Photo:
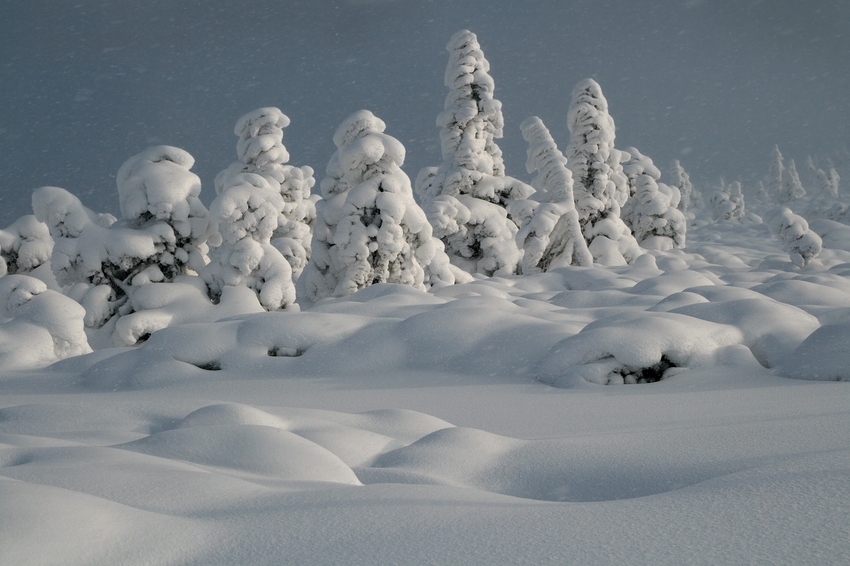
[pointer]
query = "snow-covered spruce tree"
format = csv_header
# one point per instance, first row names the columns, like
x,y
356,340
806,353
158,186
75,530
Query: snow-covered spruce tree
x,y
467,196
727,203
24,246
261,151
775,176
163,234
652,208
793,231
247,212
550,235
689,195
601,188
369,229
792,188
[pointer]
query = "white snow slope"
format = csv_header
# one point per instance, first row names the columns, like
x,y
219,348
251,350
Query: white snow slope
x,y
464,426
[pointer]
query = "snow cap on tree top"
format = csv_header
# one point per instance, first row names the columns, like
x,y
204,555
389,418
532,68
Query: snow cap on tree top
x,y
158,182
356,125
260,137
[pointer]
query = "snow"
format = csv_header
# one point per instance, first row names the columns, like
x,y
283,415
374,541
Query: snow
x,y
399,426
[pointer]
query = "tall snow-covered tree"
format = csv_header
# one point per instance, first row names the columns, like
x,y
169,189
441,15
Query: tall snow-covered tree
x,y
550,235
261,151
24,246
792,188
601,188
467,196
369,228
652,208
247,212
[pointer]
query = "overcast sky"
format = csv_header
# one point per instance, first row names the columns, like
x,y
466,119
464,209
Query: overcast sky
x,y
86,84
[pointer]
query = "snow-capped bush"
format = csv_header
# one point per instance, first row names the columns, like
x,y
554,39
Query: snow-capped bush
x,y
601,188
45,326
467,196
652,208
24,246
551,236
369,228
793,231
261,151
247,213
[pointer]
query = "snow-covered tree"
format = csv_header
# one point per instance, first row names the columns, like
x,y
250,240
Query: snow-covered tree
x,y
24,246
792,188
652,208
261,151
682,181
467,196
793,231
775,177
726,203
100,261
247,212
551,235
369,228
159,194
601,188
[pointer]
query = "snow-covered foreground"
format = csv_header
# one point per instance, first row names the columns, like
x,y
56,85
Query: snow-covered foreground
x,y
464,426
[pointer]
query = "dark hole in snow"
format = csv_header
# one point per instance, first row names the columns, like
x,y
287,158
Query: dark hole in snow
x,y
649,374
143,338
213,365
284,352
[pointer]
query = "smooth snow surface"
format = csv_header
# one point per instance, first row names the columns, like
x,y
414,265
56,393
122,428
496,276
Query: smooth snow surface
x,y
395,426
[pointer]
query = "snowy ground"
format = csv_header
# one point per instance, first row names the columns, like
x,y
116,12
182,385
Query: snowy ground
x,y
462,426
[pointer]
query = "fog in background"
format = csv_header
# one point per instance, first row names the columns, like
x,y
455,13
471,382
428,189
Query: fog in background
x,y
86,84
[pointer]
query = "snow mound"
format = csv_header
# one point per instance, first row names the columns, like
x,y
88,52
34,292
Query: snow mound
x,y
822,356
262,450
638,348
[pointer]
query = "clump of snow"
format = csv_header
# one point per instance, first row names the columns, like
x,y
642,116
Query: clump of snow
x,y
793,231
369,228
822,356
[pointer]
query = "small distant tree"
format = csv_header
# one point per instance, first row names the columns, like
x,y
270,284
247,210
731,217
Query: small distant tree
x,y
369,228
601,188
24,246
261,152
792,188
682,181
797,239
551,235
466,198
775,177
727,202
